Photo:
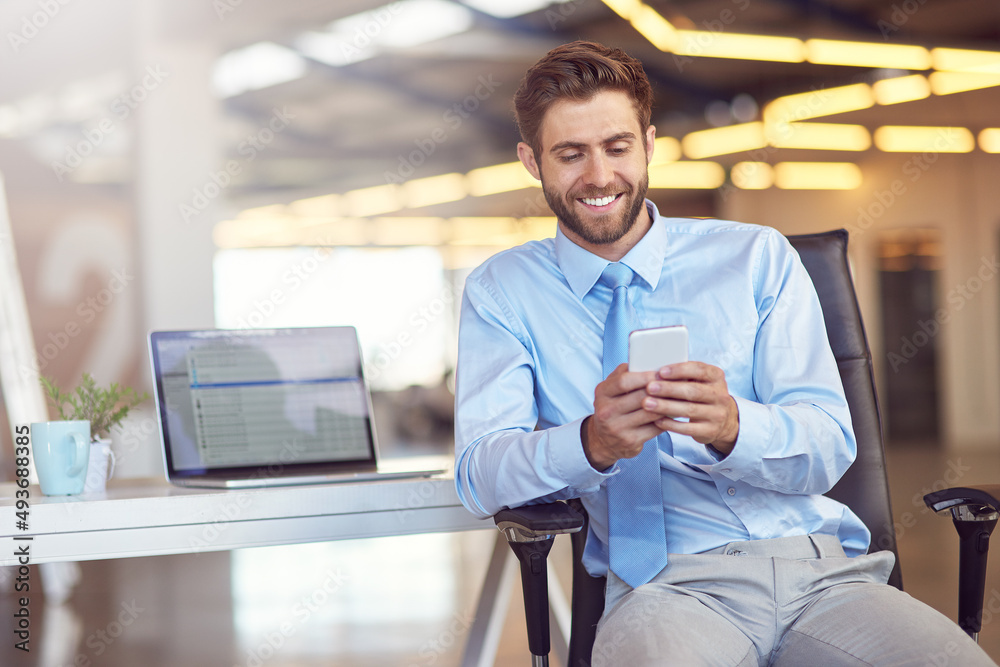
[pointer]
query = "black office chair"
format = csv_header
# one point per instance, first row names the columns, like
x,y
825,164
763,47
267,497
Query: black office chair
x,y
864,487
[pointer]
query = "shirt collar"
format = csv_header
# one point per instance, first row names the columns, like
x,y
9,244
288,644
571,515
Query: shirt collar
x,y
583,269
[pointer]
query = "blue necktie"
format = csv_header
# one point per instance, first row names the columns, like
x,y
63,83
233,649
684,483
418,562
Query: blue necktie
x,y
638,541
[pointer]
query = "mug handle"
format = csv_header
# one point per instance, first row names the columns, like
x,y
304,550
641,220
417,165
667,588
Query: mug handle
x,y
111,460
81,451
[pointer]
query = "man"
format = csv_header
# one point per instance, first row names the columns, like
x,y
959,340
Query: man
x,y
736,446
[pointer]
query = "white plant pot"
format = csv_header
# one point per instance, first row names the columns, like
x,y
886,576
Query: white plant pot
x,y
101,466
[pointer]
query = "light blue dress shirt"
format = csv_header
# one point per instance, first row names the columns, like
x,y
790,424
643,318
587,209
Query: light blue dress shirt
x,y
529,358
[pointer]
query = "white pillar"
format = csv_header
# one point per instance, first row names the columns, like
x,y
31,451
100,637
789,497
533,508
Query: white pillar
x,y
177,151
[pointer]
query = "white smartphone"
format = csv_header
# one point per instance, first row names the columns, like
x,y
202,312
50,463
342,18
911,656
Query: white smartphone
x,y
650,349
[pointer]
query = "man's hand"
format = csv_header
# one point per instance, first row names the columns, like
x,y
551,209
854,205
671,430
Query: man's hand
x,y
619,426
697,391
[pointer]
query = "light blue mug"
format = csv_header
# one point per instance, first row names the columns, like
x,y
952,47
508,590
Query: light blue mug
x,y
61,450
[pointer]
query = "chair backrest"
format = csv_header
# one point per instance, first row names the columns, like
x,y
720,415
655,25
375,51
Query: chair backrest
x,y
864,487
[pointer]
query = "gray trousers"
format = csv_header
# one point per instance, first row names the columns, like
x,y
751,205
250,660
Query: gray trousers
x,y
788,602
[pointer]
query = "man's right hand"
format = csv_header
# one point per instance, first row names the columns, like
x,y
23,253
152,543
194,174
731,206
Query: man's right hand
x,y
619,426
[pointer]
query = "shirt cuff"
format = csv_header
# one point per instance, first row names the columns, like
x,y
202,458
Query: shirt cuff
x,y
756,429
568,459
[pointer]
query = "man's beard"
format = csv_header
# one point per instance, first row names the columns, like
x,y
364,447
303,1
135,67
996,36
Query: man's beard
x,y
605,229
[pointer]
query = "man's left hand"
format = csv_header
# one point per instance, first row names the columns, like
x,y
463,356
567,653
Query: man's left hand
x,y
698,392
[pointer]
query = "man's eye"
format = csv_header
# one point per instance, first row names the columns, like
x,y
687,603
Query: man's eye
x,y
572,157
618,150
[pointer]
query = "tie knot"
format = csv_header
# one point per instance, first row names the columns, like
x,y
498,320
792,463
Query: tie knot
x,y
617,275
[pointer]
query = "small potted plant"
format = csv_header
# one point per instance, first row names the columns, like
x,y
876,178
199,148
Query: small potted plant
x,y
104,408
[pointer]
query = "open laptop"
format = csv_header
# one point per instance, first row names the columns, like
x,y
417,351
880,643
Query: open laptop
x,y
265,407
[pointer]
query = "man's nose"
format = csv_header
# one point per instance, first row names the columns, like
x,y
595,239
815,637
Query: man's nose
x,y
599,171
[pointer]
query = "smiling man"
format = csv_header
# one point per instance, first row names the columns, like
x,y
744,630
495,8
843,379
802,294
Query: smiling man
x,y
704,479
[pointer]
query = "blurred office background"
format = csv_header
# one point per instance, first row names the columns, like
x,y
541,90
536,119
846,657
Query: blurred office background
x,y
243,163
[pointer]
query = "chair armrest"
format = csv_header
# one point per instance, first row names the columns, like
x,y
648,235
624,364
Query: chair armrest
x,y
982,496
538,522
530,531
974,511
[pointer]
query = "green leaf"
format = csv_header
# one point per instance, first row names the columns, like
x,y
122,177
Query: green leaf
x,y
103,408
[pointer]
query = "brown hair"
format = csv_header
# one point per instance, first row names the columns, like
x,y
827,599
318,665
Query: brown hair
x,y
578,71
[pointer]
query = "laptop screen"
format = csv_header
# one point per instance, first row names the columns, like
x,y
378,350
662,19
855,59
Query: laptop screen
x,y
292,399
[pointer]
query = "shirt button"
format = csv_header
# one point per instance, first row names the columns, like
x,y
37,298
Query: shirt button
x,y
731,491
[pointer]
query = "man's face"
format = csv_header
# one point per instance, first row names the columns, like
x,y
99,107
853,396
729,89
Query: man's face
x,y
593,167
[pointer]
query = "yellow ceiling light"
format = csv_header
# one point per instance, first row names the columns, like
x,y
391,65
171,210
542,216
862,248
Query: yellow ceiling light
x,y
651,25
625,8
819,102
666,150
434,190
947,83
901,89
989,140
707,44
265,212
407,231
684,175
819,136
499,178
817,175
867,54
340,231
482,231
366,202
724,140
317,207
966,60
752,175
914,139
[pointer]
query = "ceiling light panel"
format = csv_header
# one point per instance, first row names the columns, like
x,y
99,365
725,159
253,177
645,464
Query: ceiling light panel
x,y
687,175
394,26
817,175
864,54
724,140
989,140
818,103
819,136
901,89
752,175
255,67
914,139
505,9
699,43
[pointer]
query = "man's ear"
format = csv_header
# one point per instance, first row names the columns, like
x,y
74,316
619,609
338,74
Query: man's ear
x,y
650,138
527,157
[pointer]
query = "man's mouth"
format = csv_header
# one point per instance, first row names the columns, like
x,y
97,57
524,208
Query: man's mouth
x,y
599,202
